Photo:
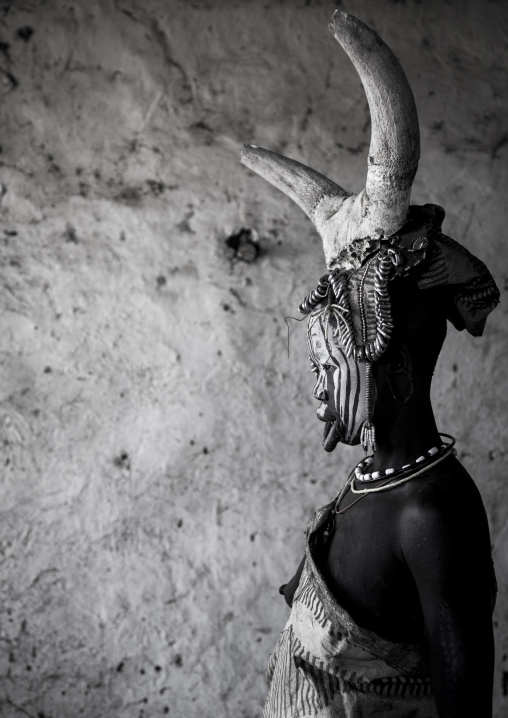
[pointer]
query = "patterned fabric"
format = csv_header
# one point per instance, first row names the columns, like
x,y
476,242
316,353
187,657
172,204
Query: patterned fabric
x,y
473,294
326,666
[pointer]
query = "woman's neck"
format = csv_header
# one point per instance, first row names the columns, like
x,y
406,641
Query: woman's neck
x,y
404,436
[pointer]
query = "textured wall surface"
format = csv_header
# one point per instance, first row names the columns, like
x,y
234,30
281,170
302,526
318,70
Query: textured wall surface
x,y
160,451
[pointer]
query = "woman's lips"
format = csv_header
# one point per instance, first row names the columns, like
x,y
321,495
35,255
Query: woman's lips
x,y
331,436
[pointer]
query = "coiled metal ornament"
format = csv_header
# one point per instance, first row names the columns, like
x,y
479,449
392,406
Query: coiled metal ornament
x,y
315,297
385,271
368,433
340,307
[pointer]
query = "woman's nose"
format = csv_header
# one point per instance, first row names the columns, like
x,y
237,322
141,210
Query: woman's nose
x,y
320,392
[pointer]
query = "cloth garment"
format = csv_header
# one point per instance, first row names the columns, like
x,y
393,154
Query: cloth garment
x,y
433,260
473,293
326,666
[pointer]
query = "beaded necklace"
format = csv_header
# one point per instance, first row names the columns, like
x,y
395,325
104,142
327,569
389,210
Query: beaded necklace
x,y
433,453
390,483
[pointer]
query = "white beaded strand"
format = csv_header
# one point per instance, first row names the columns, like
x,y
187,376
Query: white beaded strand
x,y
374,476
400,481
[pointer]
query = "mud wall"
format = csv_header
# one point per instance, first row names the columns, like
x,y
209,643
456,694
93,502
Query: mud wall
x,y
160,450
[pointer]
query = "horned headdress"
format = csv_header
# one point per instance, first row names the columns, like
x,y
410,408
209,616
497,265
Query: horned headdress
x,y
371,238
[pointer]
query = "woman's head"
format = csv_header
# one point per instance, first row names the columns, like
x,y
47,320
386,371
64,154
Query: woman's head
x,y
404,372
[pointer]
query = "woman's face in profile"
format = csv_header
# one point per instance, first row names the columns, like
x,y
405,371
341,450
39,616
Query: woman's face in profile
x,y
340,386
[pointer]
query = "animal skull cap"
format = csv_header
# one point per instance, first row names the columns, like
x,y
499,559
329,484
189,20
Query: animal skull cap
x,y
349,224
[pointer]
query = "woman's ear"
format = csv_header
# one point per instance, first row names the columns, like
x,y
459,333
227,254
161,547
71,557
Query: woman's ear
x,y
399,375
400,361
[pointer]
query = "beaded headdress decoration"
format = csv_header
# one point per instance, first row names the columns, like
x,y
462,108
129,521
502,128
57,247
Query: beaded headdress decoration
x,y
375,237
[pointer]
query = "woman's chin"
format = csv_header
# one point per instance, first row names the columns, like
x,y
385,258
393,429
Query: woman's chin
x,y
353,442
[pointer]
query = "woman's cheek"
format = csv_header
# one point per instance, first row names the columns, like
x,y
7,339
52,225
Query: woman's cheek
x,y
336,391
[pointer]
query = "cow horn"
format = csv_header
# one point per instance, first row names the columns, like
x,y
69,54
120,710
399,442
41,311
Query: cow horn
x,y
302,184
395,138
349,224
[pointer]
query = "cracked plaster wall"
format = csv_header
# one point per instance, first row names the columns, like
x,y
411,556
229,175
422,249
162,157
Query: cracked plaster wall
x,y
160,451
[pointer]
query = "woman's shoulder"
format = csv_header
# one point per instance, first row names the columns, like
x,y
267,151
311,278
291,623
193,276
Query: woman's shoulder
x,y
445,500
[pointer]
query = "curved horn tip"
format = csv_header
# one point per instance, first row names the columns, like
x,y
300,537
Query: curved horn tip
x,y
347,26
247,150
340,18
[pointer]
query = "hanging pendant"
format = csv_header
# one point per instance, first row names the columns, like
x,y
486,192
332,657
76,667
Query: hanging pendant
x,y
368,434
